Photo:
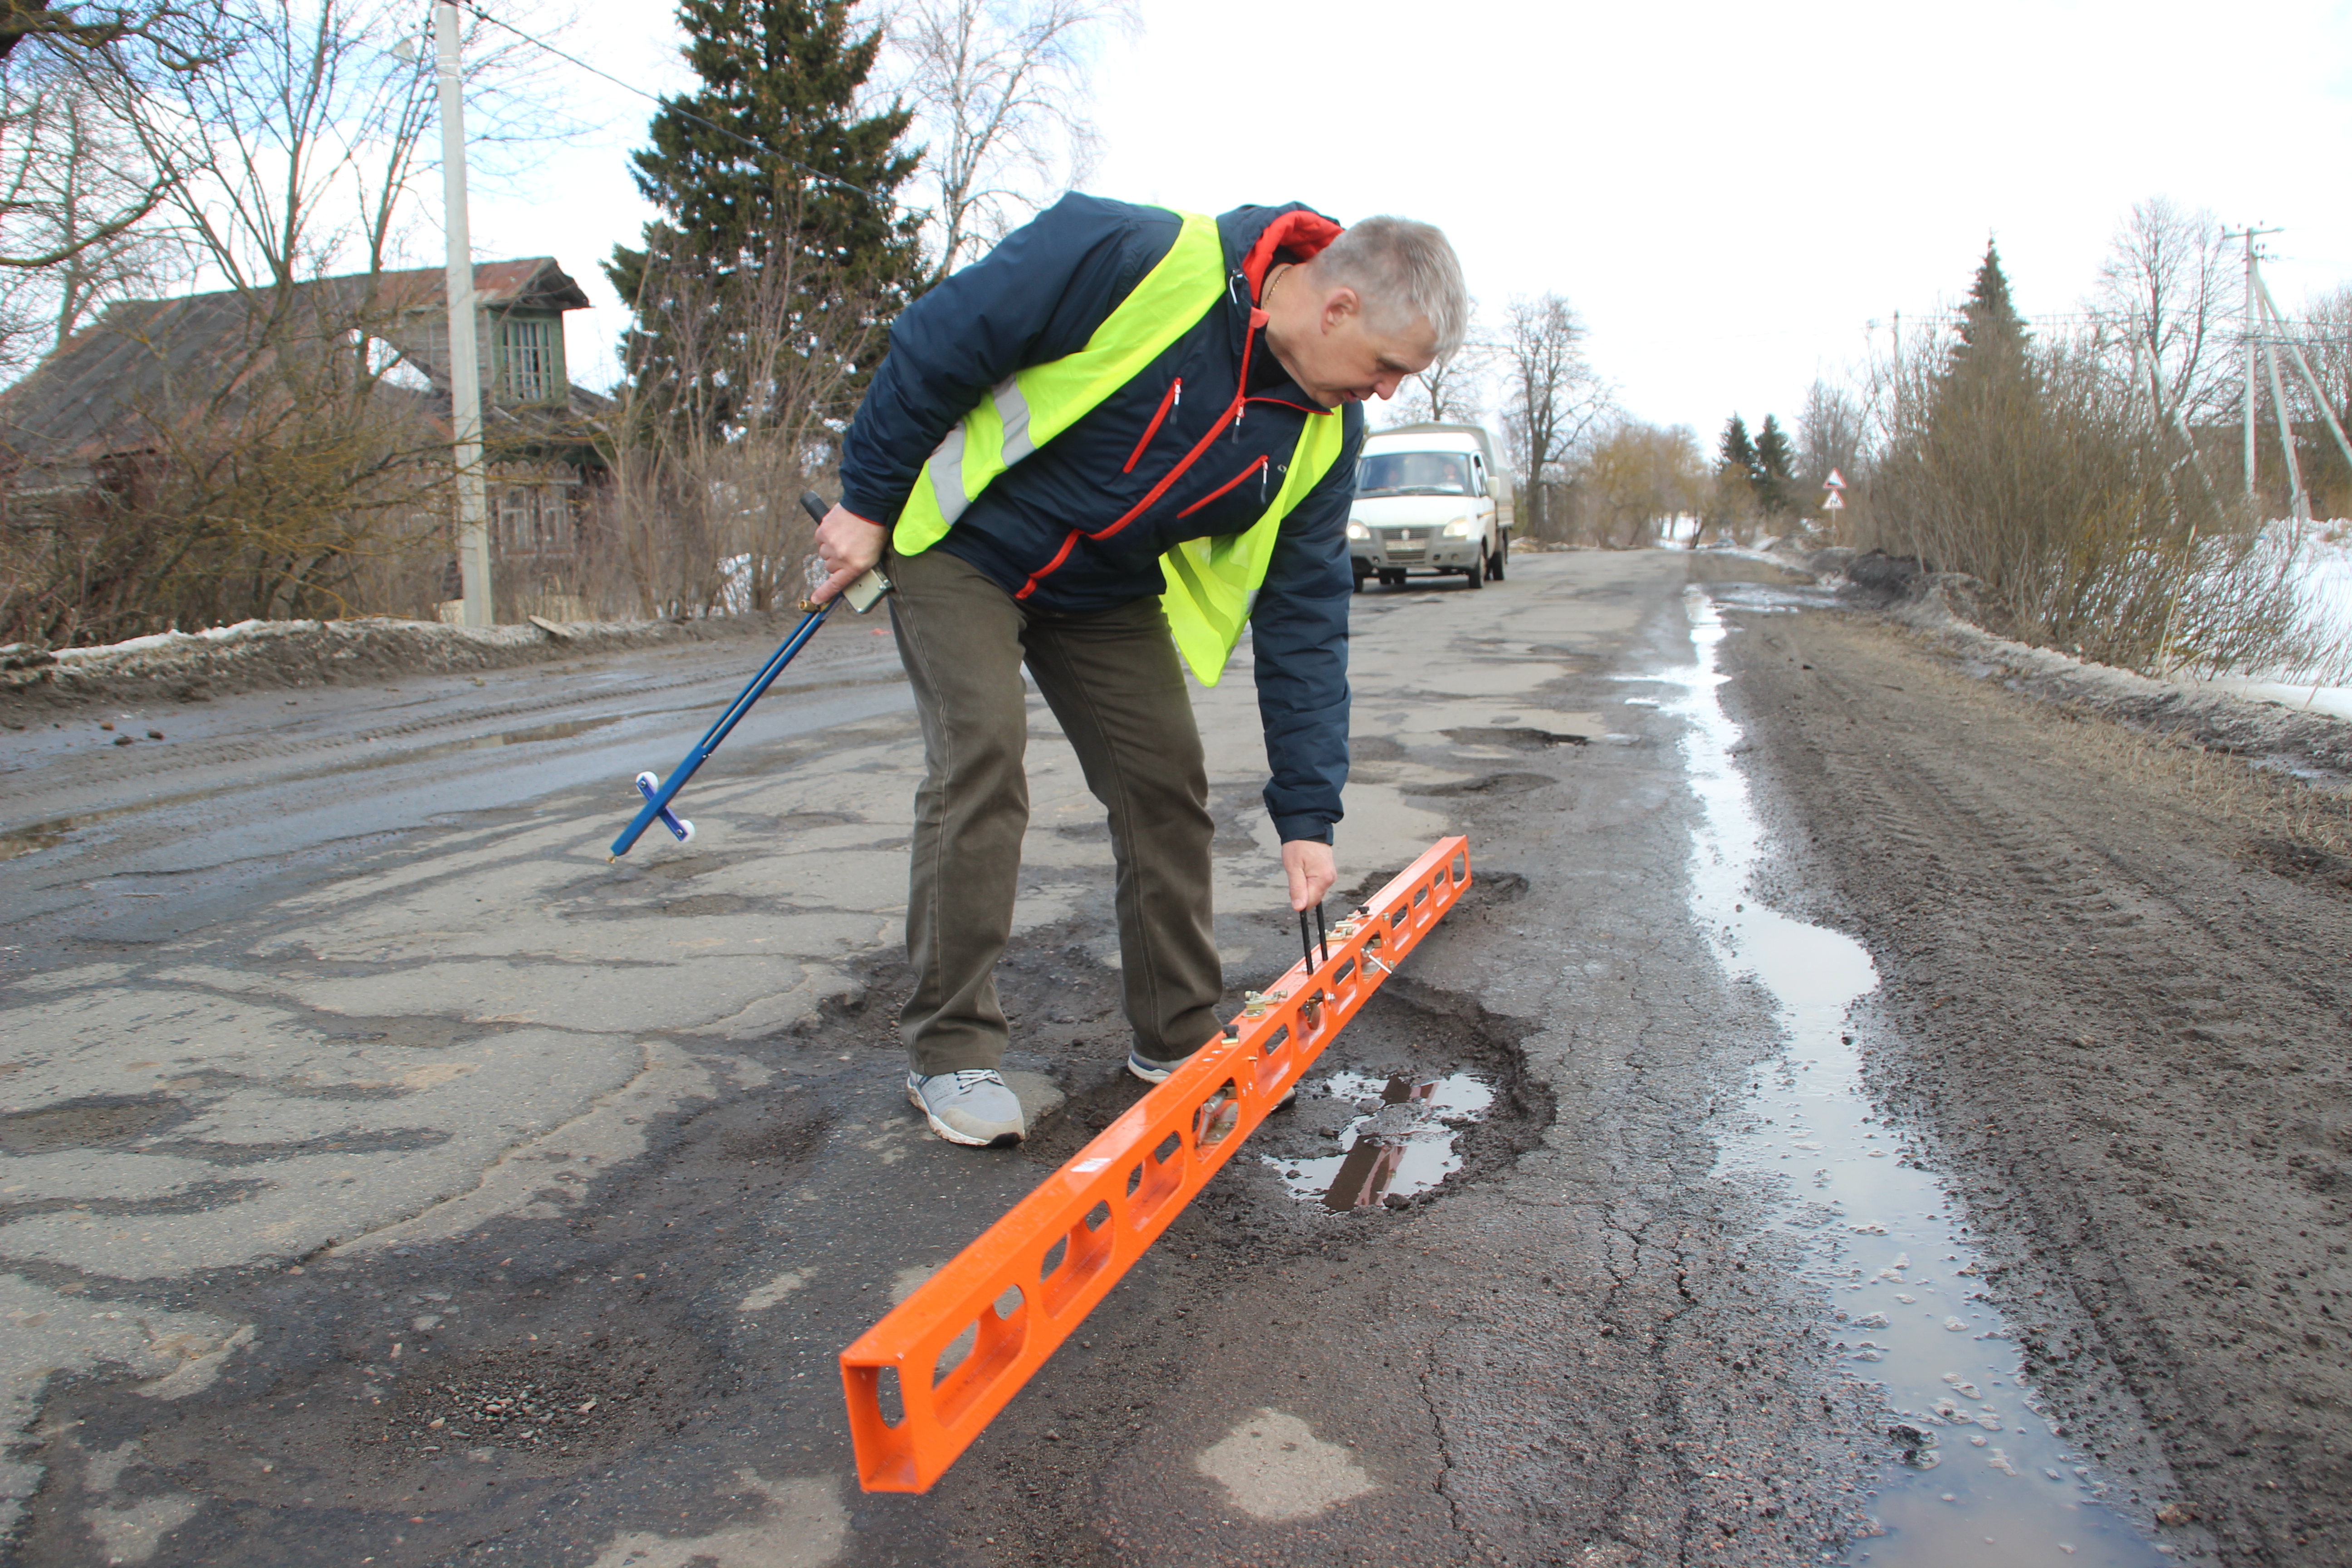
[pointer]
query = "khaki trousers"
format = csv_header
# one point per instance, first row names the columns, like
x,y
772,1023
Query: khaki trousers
x,y
1114,681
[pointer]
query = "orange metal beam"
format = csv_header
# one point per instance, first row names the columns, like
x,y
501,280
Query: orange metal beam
x,y
1028,1282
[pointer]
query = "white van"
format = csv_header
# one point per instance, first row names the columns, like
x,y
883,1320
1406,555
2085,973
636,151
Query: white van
x,y
1431,497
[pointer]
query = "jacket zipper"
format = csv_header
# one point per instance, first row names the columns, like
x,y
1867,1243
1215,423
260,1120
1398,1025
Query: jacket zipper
x,y
1167,480
1173,397
1257,467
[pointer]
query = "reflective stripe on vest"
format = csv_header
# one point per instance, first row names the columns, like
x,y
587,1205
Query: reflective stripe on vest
x,y
1031,406
1211,582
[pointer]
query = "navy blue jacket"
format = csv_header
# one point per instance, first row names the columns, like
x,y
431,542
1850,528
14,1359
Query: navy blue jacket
x,y
1079,525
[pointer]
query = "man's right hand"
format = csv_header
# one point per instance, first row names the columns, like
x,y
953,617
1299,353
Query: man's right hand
x,y
847,547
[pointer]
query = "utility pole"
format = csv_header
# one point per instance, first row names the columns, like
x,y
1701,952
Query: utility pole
x,y
2250,233
465,364
1898,368
2302,365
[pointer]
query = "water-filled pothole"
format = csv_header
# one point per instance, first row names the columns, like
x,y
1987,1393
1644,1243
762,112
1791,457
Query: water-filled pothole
x,y
1401,1140
1421,1094
1976,1471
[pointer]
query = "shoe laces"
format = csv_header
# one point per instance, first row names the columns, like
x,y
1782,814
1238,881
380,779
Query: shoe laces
x,y
969,1078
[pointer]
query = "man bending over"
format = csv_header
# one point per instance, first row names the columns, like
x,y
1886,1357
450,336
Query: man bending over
x,y
1100,452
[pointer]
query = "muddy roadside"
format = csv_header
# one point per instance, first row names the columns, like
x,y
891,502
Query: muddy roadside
x,y
43,685
2114,1009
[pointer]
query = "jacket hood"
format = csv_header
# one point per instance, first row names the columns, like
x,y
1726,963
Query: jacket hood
x,y
1256,238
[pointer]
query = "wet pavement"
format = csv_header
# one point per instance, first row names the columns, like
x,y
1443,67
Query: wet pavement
x,y
388,1178
1984,1474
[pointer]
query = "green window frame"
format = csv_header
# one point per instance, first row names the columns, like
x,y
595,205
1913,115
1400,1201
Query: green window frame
x,y
530,366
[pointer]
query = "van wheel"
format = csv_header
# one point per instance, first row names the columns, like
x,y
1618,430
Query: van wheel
x,y
1494,563
1359,580
1478,574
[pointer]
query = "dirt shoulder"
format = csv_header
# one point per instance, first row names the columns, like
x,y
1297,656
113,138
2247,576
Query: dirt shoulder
x,y
2114,1001
192,667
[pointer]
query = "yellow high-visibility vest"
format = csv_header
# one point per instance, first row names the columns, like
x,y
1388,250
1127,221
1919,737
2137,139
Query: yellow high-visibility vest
x,y
1211,582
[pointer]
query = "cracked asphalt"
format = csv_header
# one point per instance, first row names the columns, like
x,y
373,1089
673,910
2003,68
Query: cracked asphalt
x,y
386,1178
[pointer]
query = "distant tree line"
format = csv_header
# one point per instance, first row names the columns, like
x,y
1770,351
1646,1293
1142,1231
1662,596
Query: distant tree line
x,y
2088,475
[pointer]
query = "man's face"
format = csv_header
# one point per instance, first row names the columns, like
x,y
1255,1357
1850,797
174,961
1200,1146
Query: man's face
x,y
1345,360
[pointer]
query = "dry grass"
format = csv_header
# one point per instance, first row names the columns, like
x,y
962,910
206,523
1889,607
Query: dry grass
x,y
2268,805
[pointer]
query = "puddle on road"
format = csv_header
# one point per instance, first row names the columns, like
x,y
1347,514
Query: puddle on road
x,y
1402,1140
1976,1473
559,731
38,837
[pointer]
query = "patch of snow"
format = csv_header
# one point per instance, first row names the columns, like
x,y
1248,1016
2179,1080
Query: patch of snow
x,y
2316,697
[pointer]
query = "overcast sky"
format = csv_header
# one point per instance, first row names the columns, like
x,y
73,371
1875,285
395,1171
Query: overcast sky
x,y
1726,194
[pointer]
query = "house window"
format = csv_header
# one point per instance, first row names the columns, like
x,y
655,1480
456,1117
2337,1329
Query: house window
x,y
535,520
531,358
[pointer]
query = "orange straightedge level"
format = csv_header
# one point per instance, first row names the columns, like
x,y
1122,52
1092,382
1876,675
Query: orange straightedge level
x,y
1033,1275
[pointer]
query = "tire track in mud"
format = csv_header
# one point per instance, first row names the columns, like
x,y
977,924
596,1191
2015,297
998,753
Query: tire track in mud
x,y
2129,1047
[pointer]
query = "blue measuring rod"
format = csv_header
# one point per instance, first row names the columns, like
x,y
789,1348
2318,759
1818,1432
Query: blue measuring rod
x,y
862,595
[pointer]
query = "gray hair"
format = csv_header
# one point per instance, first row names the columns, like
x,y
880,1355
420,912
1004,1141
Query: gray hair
x,y
1400,270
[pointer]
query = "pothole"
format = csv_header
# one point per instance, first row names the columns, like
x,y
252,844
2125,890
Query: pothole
x,y
83,1123
1400,1142
556,1402
1491,785
1517,737
1422,1093
39,837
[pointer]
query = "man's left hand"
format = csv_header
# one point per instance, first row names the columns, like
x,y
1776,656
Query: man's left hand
x,y
1311,869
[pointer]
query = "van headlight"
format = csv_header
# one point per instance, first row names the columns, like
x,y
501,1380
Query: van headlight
x,y
1356,529
1458,528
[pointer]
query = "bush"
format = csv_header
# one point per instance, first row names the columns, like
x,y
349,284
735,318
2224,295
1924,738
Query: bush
x,y
2033,470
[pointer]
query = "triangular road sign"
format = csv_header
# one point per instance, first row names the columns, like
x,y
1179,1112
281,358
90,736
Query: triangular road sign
x,y
1836,482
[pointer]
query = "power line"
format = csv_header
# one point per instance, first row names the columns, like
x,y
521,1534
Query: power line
x,y
671,106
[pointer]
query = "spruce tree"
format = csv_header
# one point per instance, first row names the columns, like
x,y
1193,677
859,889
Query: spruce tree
x,y
1736,450
1770,472
768,154
1990,325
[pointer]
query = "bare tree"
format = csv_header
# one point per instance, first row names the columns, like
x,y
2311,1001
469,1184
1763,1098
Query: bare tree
x,y
67,79
1000,90
1829,435
709,461
1555,396
77,195
1450,391
2325,338
2168,285
80,197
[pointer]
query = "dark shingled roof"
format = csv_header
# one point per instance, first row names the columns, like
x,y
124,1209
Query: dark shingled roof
x,y
101,394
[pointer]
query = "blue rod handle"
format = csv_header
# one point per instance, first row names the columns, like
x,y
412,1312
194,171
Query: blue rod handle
x,y
658,802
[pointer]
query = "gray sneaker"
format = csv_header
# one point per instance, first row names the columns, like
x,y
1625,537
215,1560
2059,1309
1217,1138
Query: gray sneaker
x,y
1150,1072
972,1108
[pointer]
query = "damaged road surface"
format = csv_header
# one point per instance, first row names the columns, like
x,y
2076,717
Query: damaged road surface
x,y
386,1178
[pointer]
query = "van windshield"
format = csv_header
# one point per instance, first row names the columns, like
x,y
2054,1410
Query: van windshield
x,y
1414,474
